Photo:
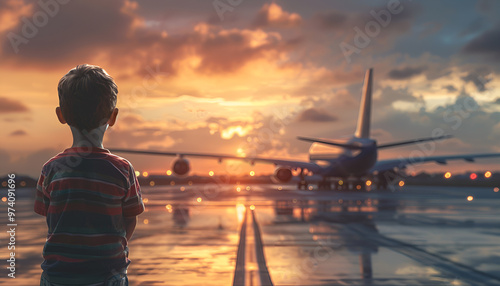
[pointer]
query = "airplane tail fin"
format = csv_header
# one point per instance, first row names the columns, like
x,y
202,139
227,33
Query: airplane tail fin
x,y
364,117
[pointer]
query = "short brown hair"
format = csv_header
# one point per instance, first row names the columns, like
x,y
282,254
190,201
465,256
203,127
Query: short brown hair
x,y
87,96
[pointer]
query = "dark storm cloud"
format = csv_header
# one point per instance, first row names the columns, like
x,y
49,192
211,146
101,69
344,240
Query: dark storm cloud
x,y
316,115
11,106
405,73
487,43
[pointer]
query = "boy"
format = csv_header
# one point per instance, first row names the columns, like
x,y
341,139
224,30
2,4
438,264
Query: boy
x,y
91,198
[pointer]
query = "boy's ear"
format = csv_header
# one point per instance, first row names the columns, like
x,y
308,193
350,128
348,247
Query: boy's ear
x,y
60,115
112,118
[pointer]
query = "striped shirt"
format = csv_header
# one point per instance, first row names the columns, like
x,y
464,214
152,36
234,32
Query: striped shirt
x,y
85,193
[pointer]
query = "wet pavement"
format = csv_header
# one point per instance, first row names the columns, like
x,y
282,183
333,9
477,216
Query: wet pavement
x,y
191,235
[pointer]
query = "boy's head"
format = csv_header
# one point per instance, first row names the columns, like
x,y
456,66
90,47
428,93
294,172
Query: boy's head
x,y
87,98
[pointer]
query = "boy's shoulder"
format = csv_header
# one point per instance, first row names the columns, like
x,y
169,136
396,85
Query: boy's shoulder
x,y
79,157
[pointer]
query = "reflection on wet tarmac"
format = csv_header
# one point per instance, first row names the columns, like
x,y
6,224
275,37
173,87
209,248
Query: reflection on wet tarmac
x,y
418,236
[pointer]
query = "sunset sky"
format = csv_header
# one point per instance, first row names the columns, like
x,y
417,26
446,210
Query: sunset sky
x,y
248,77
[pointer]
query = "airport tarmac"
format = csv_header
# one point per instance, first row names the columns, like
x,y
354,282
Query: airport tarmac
x,y
263,234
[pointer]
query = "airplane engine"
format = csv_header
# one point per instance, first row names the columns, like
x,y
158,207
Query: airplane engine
x,y
282,174
181,167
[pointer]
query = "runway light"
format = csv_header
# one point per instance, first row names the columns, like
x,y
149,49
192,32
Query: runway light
x,y
238,189
4,199
495,189
310,188
146,221
447,175
401,183
473,176
211,173
172,183
280,188
145,200
183,189
169,172
470,198
137,173
252,173
368,183
341,183
168,207
145,174
152,183
248,188
190,183
252,207
199,199
358,187
487,174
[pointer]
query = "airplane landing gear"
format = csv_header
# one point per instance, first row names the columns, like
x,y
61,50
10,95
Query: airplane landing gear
x,y
324,184
302,182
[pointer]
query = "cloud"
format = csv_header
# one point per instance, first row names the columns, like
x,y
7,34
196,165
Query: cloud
x,y
487,43
406,73
479,78
81,33
450,88
272,15
8,105
18,132
389,95
316,115
331,20
78,31
29,163
460,119
11,12
226,51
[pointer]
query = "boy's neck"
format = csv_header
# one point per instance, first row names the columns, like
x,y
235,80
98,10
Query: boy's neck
x,y
92,138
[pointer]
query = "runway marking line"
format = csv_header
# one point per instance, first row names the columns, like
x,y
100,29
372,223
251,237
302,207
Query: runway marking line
x,y
251,268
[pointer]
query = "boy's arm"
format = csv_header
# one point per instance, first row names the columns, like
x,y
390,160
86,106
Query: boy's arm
x,y
130,223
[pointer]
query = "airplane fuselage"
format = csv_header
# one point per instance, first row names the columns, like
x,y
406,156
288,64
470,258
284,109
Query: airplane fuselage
x,y
347,163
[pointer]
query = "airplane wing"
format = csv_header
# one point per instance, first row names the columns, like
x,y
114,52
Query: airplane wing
x,y
391,164
315,168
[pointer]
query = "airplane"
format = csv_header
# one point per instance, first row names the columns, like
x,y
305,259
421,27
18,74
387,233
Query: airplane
x,y
356,161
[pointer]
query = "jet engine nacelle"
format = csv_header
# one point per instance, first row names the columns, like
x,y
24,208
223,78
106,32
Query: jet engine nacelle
x,y
283,174
181,167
